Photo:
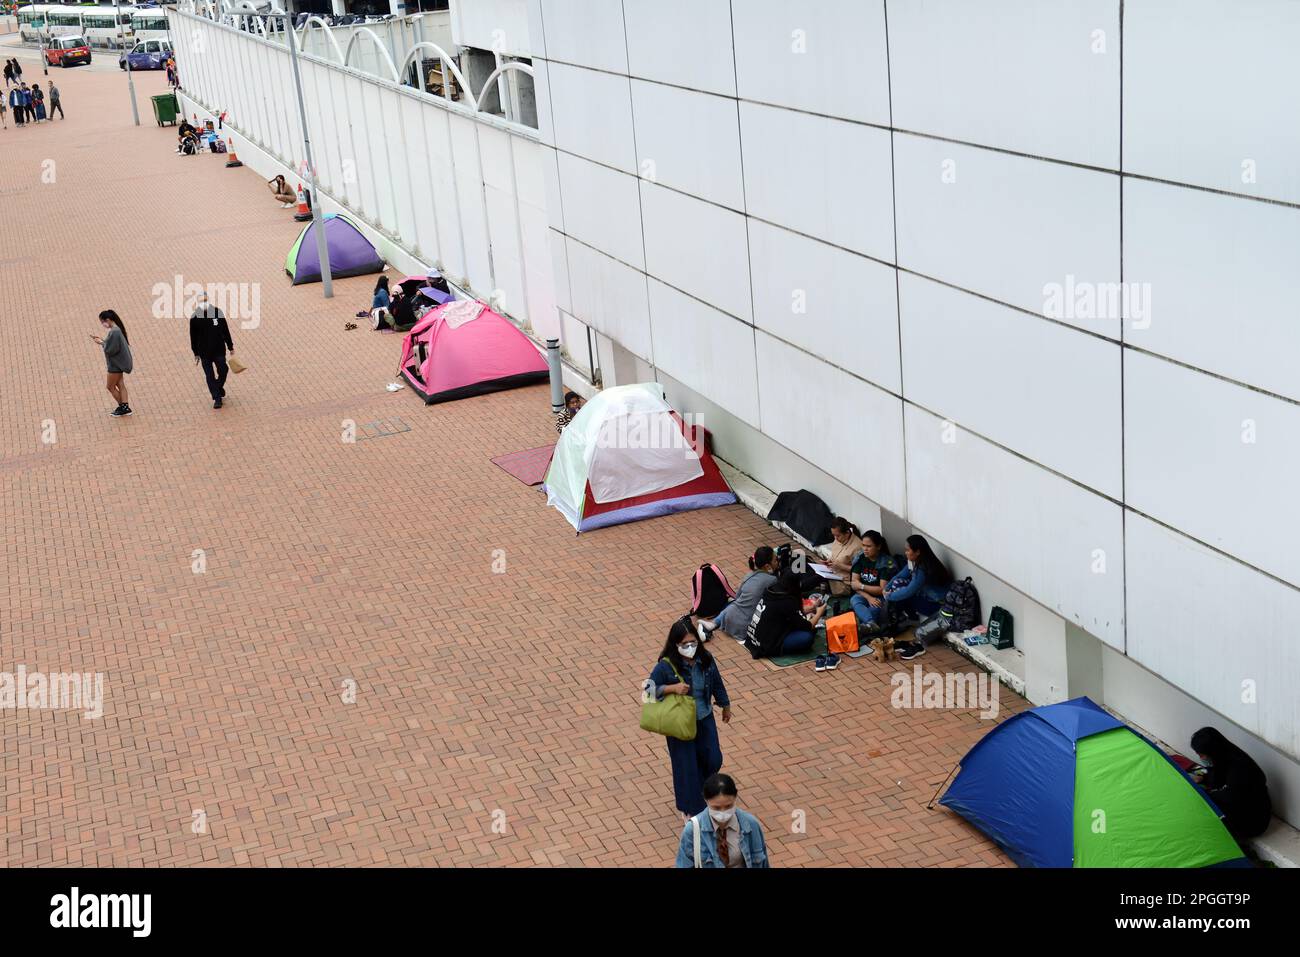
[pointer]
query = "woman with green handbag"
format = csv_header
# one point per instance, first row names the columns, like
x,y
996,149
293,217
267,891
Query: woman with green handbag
x,y
686,668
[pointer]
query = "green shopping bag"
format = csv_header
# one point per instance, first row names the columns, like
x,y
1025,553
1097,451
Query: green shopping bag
x,y
673,717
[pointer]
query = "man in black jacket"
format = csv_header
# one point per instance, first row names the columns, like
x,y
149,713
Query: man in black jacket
x,y
209,340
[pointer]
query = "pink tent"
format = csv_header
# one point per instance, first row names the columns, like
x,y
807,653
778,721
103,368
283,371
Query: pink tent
x,y
463,348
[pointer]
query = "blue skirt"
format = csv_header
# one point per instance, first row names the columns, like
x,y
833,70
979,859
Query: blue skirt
x,y
692,762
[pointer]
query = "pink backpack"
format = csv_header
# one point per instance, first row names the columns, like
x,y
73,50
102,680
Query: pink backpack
x,y
710,591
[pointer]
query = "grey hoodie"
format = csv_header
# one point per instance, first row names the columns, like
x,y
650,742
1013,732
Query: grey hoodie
x,y
117,352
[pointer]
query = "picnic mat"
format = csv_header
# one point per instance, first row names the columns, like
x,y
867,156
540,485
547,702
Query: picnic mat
x,y
529,466
818,648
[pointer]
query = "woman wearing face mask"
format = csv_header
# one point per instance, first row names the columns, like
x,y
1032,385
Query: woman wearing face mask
x,y
729,837
735,615
1234,783
686,668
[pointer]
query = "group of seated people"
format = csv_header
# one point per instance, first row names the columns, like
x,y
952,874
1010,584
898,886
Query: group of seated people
x,y
390,308
771,616
187,138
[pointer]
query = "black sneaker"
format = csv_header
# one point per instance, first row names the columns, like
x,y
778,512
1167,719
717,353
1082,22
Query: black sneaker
x,y
216,403
913,649
120,411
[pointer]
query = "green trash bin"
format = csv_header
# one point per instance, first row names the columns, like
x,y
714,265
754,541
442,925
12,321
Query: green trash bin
x,y
165,109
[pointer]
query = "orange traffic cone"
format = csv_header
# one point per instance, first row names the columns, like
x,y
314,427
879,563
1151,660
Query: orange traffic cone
x,y
233,161
303,213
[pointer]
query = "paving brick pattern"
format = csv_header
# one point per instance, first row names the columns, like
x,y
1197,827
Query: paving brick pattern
x,y
372,562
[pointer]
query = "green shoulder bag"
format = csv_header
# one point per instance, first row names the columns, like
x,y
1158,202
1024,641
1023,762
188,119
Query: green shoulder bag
x,y
673,717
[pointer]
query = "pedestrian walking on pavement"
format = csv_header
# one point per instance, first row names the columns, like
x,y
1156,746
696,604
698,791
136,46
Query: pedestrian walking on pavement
x,y
16,101
9,73
117,353
54,101
686,668
209,341
38,102
722,835
4,114
18,70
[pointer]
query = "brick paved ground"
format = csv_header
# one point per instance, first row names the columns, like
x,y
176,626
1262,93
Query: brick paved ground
x,y
371,561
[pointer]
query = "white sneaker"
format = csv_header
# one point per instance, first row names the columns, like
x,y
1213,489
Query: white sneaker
x,y
703,632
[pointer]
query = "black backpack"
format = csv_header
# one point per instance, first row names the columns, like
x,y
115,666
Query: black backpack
x,y
710,591
961,606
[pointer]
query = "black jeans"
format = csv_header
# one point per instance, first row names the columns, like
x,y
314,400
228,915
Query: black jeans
x,y
214,370
56,105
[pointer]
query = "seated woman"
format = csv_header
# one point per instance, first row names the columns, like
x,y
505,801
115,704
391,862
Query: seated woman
x,y
379,305
1235,783
845,548
778,626
870,573
187,139
735,615
401,311
282,192
915,592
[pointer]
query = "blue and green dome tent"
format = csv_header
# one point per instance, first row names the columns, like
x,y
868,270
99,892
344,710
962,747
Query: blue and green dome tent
x,y
1068,785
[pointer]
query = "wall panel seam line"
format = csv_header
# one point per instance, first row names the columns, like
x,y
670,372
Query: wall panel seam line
x,y
744,202
920,134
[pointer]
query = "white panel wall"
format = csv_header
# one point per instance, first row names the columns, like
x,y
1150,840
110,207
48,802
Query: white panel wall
x,y
583,32
1215,460
688,335
592,113
834,304
1243,642
1044,533
697,247
1224,287
1006,226
684,42
827,178
689,141
602,207
610,297
794,382
1211,92
825,57
492,25
1022,75
1043,390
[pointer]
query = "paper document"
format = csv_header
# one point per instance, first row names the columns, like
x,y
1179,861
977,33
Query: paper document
x,y
826,571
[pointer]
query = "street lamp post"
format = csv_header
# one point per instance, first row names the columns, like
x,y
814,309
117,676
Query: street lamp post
x,y
130,80
322,248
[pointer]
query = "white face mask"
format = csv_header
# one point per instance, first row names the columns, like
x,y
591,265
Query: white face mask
x,y
687,651
722,817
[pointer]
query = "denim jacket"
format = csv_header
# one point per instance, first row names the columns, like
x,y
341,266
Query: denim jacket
x,y
706,686
752,847
911,583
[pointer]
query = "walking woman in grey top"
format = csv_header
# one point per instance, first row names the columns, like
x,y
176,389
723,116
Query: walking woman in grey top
x,y
117,353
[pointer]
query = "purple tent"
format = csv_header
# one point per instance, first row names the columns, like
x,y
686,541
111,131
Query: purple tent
x,y
350,253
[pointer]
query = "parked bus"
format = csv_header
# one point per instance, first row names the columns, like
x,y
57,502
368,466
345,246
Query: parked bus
x,y
99,24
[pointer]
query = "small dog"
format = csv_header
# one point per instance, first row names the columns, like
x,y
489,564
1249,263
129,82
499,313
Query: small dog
x,y
883,648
